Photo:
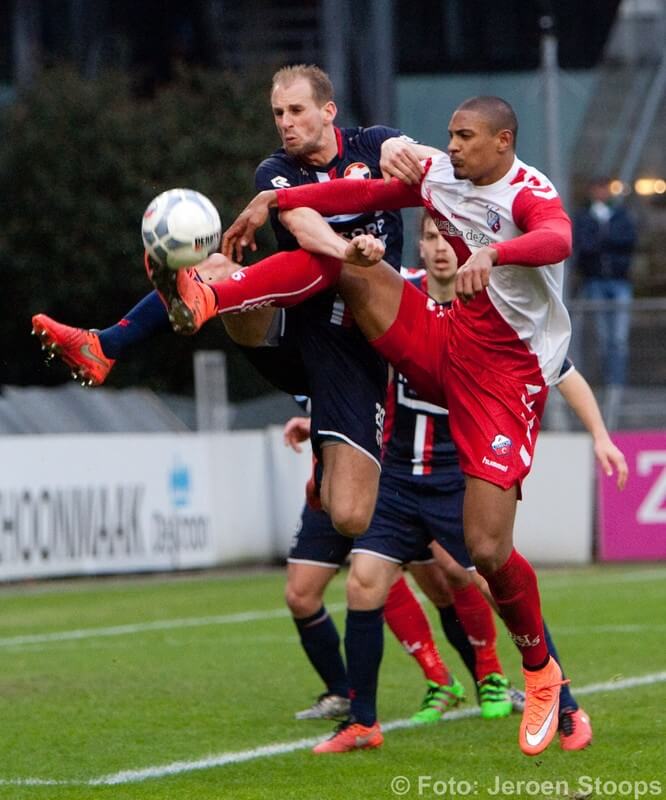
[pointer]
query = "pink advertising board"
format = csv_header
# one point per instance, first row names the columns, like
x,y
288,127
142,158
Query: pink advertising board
x,y
632,523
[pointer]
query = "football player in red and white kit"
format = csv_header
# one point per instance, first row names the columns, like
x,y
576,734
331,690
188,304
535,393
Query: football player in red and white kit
x,y
489,359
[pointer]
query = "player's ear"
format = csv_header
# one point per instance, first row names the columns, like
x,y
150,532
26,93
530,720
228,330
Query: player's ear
x,y
330,111
504,140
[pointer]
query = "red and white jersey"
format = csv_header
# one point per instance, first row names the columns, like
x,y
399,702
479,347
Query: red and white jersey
x,y
522,306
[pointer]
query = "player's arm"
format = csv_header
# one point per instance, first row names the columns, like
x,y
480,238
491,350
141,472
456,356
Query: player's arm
x,y
333,197
314,234
580,397
547,235
401,158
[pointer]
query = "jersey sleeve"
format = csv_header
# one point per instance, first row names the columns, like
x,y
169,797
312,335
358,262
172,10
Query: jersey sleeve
x,y
270,175
376,135
567,368
547,232
357,197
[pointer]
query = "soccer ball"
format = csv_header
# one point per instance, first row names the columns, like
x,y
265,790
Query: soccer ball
x,y
180,228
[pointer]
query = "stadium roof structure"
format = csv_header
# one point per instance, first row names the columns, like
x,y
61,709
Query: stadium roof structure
x,y
71,409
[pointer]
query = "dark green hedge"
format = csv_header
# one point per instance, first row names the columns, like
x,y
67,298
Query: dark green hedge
x,y
79,162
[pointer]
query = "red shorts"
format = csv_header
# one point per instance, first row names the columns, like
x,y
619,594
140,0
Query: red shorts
x,y
495,397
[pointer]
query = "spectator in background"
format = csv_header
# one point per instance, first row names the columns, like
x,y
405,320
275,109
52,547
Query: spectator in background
x,y
604,241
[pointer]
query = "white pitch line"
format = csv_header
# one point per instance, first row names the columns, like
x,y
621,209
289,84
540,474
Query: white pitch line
x,y
157,625
255,616
282,748
251,616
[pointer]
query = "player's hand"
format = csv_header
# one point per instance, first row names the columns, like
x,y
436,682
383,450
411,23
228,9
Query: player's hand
x,y
474,275
296,431
240,233
611,458
398,160
364,250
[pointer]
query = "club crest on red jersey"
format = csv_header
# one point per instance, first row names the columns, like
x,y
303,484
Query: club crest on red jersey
x,y
493,219
358,171
501,445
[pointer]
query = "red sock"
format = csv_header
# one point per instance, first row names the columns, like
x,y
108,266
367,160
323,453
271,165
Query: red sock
x,y
476,617
514,587
283,280
405,617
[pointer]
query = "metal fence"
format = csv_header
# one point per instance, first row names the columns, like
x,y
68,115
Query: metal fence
x,y
641,402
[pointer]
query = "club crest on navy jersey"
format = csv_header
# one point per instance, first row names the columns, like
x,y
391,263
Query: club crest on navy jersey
x,y
357,171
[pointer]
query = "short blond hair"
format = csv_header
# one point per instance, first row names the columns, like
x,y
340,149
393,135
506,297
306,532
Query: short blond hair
x,y
322,88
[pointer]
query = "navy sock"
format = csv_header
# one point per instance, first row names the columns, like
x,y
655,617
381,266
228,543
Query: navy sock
x,y
457,638
364,647
148,316
567,700
321,643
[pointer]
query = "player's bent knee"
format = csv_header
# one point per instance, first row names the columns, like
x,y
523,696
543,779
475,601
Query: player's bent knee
x,y
487,556
361,593
302,603
350,522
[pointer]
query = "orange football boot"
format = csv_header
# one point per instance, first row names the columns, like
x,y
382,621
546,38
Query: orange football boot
x,y
189,302
575,729
351,735
79,348
542,701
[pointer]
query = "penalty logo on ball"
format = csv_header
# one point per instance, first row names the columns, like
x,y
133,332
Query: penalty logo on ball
x,y
180,228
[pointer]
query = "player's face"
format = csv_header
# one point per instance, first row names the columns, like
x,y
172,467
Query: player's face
x,y
478,153
304,127
438,256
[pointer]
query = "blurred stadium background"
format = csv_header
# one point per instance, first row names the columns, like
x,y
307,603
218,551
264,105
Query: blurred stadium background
x,y
104,104
177,463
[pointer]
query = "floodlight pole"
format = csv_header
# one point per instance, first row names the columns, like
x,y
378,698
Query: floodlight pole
x,y
550,74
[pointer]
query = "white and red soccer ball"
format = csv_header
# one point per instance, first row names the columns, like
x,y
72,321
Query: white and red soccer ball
x,y
180,228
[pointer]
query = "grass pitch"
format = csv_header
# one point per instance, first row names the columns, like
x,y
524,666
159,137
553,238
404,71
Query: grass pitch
x,y
185,687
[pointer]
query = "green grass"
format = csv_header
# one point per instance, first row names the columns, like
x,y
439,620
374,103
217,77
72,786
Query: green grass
x,y
74,710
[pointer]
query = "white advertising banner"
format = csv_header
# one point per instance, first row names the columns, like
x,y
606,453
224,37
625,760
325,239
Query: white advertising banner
x,y
94,504
108,503
554,522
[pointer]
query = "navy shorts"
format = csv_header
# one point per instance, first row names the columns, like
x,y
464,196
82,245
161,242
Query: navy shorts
x,y
412,512
347,381
317,542
280,363
323,355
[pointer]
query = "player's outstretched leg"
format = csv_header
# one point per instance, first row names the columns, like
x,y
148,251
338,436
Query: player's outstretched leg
x,y
79,348
281,280
189,301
